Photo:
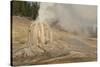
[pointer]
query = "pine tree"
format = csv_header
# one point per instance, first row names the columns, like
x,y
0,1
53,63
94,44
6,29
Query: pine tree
x,y
24,8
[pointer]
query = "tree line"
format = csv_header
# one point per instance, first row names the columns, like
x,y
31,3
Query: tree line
x,y
25,8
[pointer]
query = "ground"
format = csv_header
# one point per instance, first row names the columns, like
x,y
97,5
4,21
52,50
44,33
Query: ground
x,y
66,48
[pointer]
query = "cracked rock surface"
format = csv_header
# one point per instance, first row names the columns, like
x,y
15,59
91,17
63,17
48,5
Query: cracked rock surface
x,y
66,47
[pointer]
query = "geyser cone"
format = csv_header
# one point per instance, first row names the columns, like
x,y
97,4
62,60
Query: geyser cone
x,y
40,34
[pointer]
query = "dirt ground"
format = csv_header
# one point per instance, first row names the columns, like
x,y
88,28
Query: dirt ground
x,y
66,48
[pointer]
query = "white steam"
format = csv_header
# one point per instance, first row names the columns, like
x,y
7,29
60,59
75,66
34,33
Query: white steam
x,y
73,18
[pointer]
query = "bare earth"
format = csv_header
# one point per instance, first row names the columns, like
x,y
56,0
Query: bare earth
x,y
66,48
